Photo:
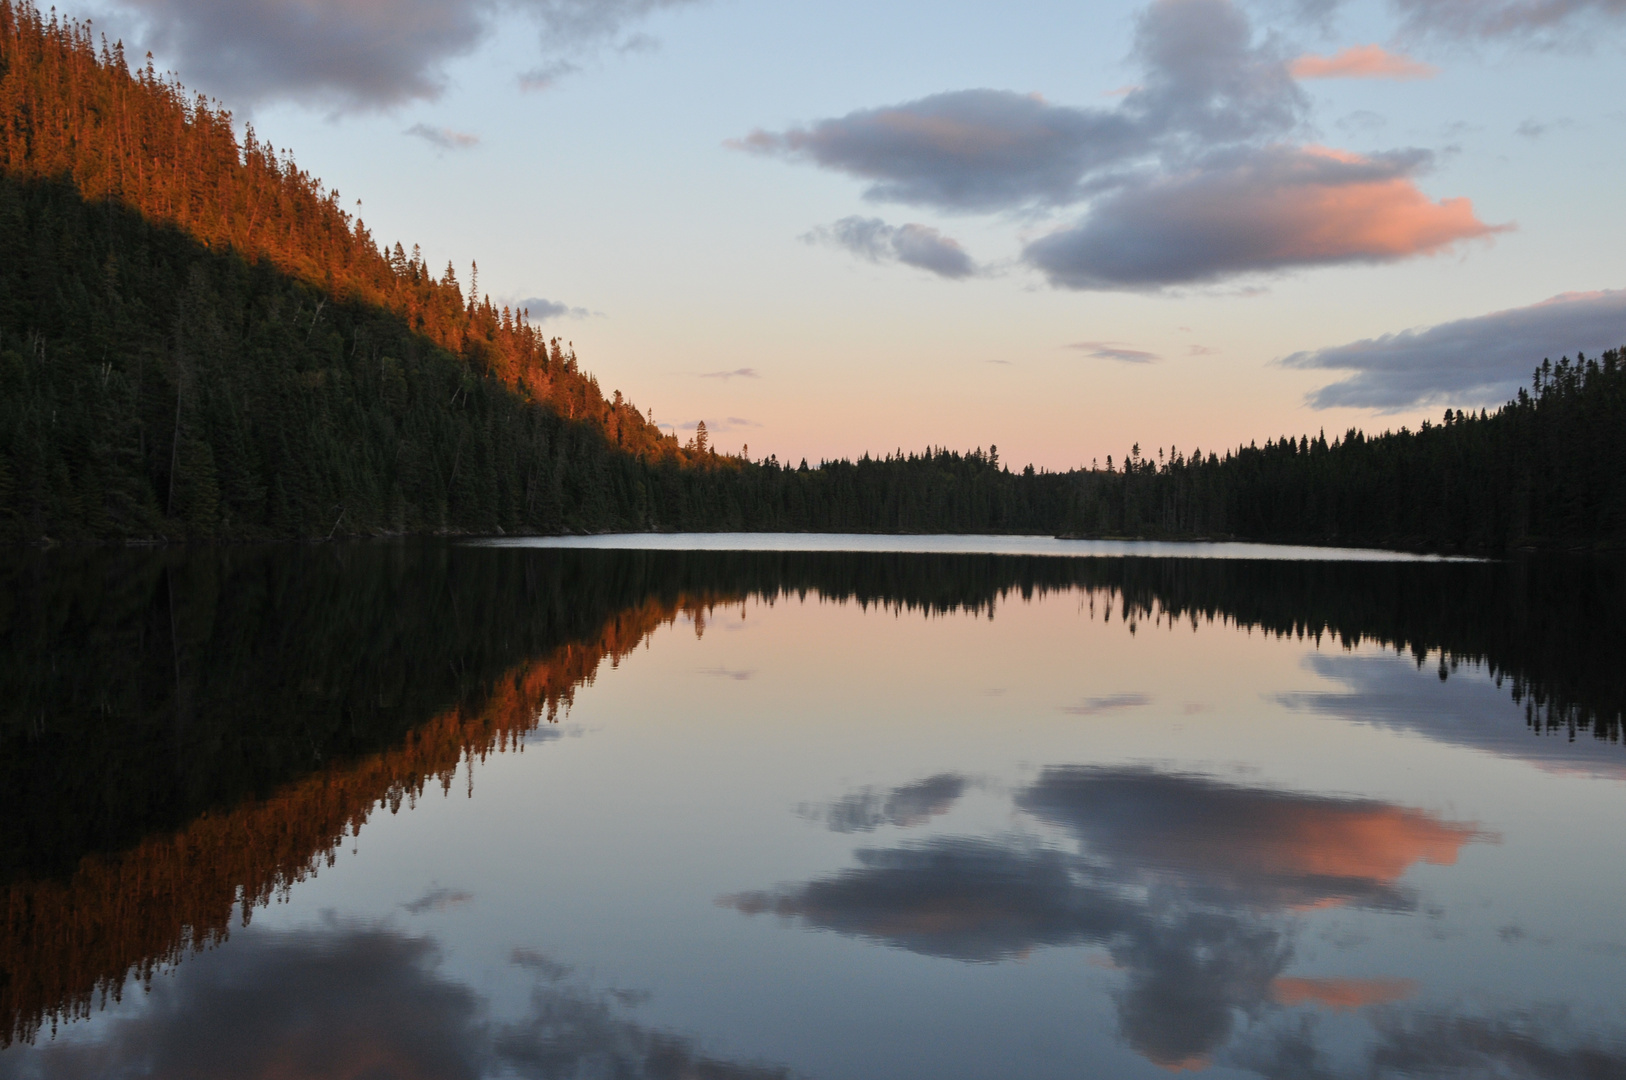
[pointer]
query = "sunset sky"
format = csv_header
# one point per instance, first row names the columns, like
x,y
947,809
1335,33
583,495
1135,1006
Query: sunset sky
x,y
1062,228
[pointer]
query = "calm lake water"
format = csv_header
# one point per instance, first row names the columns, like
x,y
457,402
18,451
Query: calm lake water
x,y
571,810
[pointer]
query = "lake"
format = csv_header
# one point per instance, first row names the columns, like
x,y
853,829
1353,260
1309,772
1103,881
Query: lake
x,y
826,807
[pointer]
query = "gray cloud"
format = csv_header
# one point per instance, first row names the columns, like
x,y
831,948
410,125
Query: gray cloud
x,y
1532,128
1481,360
438,898
1362,121
546,76
1108,350
1207,84
350,1001
1192,177
1538,1044
956,898
359,56
1253,847
737,373
1095,706
963,150
904,806
539,309
443,137
1388,691
914,245
1254,210
1188,971
1542,22
738,675
333,1000
1176,876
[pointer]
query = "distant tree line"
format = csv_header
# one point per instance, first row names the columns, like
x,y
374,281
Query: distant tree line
x,y
197,342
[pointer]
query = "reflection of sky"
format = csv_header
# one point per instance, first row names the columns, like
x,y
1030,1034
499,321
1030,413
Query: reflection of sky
x,y
1177,876
352,1002
971,881
1465,709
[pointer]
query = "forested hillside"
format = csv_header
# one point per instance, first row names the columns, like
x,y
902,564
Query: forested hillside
x,y
196,341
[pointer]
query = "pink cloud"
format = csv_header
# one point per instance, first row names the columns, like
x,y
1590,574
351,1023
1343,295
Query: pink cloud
x,y
1362,62
1274,209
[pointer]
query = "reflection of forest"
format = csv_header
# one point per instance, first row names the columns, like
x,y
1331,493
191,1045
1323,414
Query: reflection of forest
x,y
181,731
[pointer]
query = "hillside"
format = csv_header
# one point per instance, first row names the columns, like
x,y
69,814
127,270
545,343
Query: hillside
x,y
196,341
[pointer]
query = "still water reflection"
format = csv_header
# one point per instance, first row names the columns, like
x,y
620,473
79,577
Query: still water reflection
x,y
429,811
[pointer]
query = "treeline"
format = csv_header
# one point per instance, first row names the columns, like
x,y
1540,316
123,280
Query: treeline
x,y
1547,469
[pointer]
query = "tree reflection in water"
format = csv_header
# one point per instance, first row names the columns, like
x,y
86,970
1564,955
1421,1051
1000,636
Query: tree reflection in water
x,y
185,734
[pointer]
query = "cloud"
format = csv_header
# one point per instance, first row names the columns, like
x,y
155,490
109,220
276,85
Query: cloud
x,y
358,56
914,245
1362,62
1193,176
1481,360
1540,1044
1252,847
983,149
1541,22
1362,120
1392,692
1341,995
1534,129
715,426
738,675
1187,971
538,309
905,806
348,1001
1107,350
956,898
1175,876
443,137
546,76
737,373
438,898
1256,211
961,150
1097,705
327,1003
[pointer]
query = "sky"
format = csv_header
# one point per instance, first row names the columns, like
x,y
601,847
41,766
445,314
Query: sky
x,y
1061,228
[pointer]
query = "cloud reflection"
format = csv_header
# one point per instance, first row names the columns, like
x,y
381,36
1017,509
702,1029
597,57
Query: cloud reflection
x,y
1181,878
347,1001
905,806
1256,848
1393,692
1533,1045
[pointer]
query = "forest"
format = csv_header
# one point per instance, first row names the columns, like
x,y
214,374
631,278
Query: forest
x,y
197,342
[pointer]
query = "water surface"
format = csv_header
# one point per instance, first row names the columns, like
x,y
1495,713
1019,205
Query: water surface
x,y
961,544
458,811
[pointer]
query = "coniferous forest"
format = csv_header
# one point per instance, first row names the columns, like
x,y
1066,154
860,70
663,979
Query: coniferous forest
x,y
198,342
